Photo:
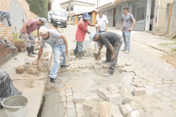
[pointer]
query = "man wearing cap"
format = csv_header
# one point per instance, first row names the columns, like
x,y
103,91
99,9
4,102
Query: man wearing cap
x,y
59,45
26,31
80,34
112,42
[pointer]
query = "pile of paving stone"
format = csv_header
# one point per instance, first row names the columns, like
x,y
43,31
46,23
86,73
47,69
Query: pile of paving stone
x,y
108,102
33,69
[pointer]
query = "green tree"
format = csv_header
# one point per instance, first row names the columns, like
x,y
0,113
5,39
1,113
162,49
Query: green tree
x,y
39,7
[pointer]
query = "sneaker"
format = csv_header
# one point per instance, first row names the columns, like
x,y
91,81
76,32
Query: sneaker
x,y
123,50
108,74
67,65
126,52
52,80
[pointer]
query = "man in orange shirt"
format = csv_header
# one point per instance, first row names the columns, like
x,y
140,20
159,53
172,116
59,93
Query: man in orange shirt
x,y
80,34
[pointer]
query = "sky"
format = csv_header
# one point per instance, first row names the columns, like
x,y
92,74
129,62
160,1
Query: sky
x,y
56,3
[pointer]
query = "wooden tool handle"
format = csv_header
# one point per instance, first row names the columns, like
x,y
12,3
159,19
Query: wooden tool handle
x,y
30,41
98,58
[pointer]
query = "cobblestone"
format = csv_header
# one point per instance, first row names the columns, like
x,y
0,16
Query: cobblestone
x,y
166,99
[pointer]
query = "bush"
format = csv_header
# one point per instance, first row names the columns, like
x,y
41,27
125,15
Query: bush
x,y
19,43
39,7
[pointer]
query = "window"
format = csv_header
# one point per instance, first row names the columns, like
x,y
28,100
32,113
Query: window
x,y
60,13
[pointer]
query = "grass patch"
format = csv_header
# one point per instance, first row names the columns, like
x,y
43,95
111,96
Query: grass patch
x,y
174,49
167,44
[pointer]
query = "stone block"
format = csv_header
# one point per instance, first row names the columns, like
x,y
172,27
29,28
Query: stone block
x,y
75,67
72,58
104,109
112,88
79,110
105,66
116,112
88,105
126,109
71,112
78,98
70,105
93,97
102,93
94,112
69,98
135,113
63,99
126,95
97,66
28,63
62,93
114,98
128,64
139,91
90,66
74,90
82,66
133,105
19,69
32,71
68,92
70,69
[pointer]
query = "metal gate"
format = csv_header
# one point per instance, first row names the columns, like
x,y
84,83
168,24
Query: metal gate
x,y
109,14
138,9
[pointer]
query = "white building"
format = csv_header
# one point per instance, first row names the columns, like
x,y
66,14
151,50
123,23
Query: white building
x,y
77,6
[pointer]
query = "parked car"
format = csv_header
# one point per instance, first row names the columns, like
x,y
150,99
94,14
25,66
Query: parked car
x,y
58,18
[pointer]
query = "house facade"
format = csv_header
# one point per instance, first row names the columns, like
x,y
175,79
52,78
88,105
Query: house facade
x,y
150,15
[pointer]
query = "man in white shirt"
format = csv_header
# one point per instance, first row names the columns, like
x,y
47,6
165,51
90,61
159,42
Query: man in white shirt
x,y
102,21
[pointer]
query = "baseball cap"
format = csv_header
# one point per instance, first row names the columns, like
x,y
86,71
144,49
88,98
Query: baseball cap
x,y
91,36
43,20
86,16
43,30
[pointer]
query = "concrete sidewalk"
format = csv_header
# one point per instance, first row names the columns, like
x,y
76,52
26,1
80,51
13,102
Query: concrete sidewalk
x,y
31,86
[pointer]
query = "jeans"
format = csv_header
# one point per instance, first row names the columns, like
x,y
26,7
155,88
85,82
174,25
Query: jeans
x,y
126,39
79,46
58,50
116,53
30,37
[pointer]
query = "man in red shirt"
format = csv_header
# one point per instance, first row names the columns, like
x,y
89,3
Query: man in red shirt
x,y
80,34
26,30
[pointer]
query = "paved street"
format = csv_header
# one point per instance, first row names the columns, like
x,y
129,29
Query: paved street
x,y
147,69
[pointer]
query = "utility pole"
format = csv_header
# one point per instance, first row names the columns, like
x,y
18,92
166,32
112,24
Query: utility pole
x,y
69,14
97,6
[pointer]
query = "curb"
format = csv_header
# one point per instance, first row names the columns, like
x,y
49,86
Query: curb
x,y
8,57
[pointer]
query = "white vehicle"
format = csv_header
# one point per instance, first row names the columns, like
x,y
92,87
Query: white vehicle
x,y
58,18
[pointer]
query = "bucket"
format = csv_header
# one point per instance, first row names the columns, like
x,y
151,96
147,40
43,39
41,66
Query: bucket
x,y
15,106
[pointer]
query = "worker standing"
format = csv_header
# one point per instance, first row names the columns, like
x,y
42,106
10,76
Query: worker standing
x,y
80,34
26,31
112,42
126,28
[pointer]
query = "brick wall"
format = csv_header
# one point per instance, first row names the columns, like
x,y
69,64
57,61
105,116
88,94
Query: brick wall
x,y
5,32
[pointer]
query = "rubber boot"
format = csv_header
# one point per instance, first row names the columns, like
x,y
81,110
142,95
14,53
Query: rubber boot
x,y
75,52
29,50
32,47
80,55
